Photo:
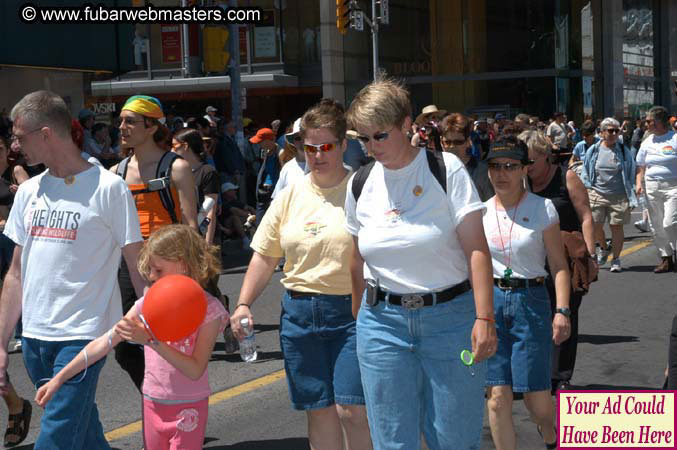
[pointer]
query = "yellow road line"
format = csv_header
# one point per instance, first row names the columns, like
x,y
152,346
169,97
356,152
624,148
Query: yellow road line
x,y
215,398
636,248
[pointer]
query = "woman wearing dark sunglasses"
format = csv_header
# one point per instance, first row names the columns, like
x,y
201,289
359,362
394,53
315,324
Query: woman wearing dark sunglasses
x,y
609,175
455,129
522,230
417,243
305,224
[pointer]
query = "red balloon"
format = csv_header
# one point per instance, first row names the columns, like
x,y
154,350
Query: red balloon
x,y
174,307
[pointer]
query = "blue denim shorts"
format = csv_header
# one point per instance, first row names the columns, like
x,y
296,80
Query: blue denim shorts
x,y
413,377
318,342
524,329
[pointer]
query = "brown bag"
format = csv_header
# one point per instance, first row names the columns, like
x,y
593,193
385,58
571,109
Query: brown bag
x,y
583,270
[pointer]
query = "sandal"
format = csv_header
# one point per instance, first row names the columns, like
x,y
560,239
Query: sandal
x,y
20,424
551,446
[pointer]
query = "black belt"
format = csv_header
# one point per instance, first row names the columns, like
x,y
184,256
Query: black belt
x,y
415,301
518,283
297,294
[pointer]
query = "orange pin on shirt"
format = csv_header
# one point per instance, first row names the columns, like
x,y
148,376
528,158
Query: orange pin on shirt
x,y
418,190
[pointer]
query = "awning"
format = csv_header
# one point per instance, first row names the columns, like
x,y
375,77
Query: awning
x,y
166,85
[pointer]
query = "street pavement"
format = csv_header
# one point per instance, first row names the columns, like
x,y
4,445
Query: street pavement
x,y
624,327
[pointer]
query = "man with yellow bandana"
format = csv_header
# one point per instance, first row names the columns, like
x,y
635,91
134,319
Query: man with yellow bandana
x,y
141,131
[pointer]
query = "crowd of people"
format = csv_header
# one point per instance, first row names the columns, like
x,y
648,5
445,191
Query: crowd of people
x,y
411,247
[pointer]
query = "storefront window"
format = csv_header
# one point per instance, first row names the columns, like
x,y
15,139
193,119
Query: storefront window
x,y
301,32
638,57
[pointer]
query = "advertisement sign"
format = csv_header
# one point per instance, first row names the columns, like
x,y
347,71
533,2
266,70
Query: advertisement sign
x,y
171,43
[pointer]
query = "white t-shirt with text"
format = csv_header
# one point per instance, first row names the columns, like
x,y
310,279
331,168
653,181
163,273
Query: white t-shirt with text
x,y
406,225
72,236
659,155
523,248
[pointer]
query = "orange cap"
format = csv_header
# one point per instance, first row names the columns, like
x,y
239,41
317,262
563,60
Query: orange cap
x,y
264,134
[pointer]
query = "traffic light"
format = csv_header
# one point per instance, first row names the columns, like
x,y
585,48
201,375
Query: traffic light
x,y
342,15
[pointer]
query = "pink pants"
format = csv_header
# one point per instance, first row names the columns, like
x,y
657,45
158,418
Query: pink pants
x,y
174,427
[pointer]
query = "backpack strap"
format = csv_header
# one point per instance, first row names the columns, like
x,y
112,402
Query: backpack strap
x,y
122,168
164,170
438,168
360,178
435,163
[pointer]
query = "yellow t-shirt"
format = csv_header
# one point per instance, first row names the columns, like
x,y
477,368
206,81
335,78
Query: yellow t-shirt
x,y
306,225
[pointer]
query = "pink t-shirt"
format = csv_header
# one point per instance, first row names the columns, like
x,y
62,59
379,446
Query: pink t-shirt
x,y
163,381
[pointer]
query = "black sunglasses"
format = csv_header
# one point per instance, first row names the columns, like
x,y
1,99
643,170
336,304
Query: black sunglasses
x,y
510,167
378,137
613,130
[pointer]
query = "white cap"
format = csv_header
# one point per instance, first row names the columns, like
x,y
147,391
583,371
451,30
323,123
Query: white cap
x,y
211,109
295,129
228,186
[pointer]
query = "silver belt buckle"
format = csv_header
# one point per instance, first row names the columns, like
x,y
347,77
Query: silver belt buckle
x,y
412,301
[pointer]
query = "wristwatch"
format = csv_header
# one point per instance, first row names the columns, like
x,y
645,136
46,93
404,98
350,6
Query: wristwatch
x,y
564,311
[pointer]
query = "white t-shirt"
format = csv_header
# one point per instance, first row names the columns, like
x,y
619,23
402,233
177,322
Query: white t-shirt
x,y
558,132
659,155
293,170
72,237
409,241
524,248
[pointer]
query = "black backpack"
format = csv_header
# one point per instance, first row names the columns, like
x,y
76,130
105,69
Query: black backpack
x,y
161,184
435,163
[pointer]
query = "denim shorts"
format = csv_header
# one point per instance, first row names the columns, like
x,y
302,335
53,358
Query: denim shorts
x,y
524,329
413,377
318,342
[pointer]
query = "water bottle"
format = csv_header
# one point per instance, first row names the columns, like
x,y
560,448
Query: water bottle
x,y
248,344
202,218
642,202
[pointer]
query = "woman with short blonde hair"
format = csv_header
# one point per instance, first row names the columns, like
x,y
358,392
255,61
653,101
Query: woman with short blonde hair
x,y
416,221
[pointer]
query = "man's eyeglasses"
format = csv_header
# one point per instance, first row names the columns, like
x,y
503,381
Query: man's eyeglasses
x,y
378,137
17,137
453,142
510,167
613,130
324,148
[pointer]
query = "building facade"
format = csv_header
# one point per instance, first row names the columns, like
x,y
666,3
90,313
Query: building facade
x,y
588,58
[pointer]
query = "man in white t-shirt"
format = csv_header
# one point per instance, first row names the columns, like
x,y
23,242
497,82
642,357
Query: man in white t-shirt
x,y
558,133
657,173
70,224
295,168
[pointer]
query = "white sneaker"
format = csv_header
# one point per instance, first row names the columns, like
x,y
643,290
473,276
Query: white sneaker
x,y
642,225
615,266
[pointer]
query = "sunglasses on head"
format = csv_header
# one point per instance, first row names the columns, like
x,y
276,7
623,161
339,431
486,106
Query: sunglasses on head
x,y
378,137
510,167
324,148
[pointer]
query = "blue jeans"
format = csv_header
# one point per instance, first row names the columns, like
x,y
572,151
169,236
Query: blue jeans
x,y
317,338
413,376
70,420
524,330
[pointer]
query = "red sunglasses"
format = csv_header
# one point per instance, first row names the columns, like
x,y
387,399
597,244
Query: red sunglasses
x,y
324,148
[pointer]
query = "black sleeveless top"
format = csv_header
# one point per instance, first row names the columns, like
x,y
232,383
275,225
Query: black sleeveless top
x,y
557,191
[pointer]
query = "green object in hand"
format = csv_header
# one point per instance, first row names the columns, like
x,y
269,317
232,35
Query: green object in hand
x,y
507,273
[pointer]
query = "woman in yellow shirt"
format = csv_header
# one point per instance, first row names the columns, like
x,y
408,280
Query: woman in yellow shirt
x,y
305,224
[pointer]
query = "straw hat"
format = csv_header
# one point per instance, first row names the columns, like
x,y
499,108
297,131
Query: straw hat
x,y
429,113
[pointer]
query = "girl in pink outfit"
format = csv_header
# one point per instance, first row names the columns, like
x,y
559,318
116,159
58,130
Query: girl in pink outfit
x,y
175,386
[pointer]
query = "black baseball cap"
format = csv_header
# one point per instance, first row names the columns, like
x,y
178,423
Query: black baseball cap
x,y
509,147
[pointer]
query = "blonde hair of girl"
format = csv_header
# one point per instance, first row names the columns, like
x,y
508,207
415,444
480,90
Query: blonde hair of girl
x,y
182,243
